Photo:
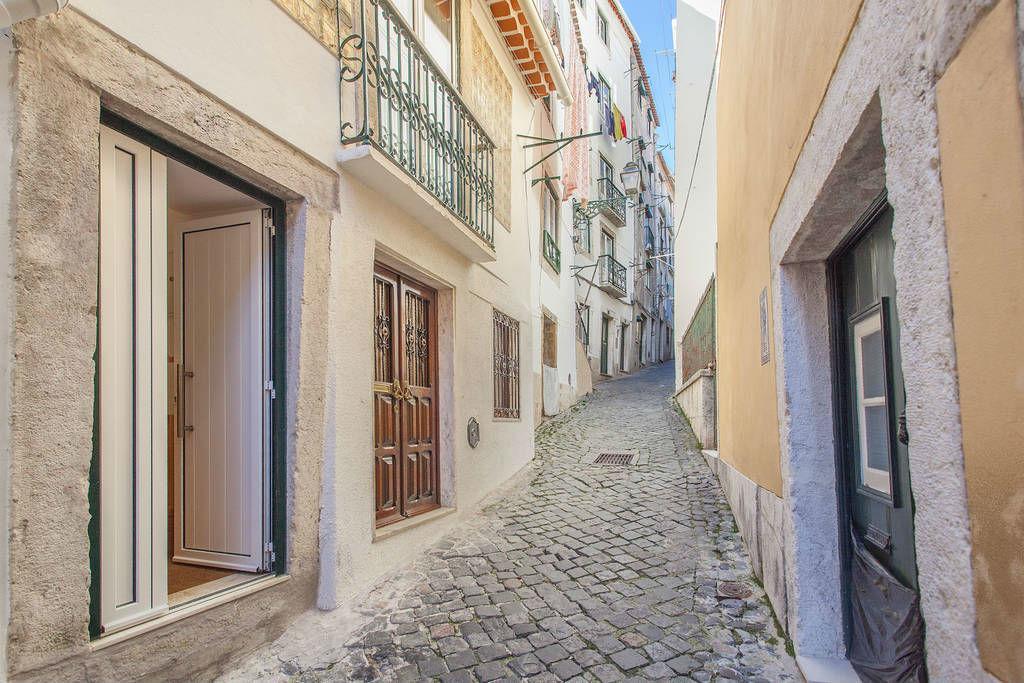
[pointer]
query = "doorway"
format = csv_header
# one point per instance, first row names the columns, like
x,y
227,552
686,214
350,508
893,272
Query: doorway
x,y
186,385
624,337
605,325
886,628
218,333
404,393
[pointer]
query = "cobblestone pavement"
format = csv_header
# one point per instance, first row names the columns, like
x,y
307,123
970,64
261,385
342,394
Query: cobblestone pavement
x,y
583,572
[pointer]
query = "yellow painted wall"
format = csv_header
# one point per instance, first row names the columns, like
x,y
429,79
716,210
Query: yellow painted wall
x,y
776,62
981,135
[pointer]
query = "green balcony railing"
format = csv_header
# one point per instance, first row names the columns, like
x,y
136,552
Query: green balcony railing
x,y
614,199
408,109
552,254
611,273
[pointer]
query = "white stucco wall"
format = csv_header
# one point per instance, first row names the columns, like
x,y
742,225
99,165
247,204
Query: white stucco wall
x,y
248,53
697,227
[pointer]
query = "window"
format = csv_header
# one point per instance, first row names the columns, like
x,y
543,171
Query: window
x,y
506,366
549,350
604,93
607,244
550,212
874,432
605,170
433,22
583,323
602,27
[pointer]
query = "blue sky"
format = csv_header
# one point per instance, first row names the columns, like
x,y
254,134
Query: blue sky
x,y
652,20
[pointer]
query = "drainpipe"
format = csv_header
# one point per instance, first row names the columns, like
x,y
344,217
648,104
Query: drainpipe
x,y
13,11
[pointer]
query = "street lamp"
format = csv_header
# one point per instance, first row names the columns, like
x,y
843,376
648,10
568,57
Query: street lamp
x,y
630,179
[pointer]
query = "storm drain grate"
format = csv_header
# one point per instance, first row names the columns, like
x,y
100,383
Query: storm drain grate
x,y
615,459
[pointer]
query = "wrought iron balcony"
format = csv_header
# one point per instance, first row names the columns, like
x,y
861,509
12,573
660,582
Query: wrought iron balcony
x,y
612,201
611,275
611,204
552,254
406,108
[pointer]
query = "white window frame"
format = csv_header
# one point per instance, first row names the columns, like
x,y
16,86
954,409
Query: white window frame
x,y
550,212
419,22
871,477
602,27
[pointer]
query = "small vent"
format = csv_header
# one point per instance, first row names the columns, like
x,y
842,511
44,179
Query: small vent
x,y
614,459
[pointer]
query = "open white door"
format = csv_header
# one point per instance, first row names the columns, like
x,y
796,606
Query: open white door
x,y
132,381
221,282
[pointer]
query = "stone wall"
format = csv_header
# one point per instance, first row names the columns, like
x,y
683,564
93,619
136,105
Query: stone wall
x,y
760,516
697,400
319,17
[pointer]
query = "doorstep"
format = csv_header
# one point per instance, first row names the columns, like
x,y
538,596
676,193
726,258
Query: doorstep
x,y
410,523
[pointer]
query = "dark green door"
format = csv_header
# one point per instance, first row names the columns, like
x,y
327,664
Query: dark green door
x,y
604,345
879,502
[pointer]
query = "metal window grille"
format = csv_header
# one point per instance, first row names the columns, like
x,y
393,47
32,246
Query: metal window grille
x,y
506,366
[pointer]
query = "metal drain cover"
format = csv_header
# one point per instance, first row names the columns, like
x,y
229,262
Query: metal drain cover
x,y
734,589
614,459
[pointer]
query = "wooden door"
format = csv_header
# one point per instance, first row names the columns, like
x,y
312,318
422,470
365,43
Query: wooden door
x,y
220,463
405,416
879,501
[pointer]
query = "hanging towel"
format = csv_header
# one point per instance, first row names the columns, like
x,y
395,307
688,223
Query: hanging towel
x,y
576,157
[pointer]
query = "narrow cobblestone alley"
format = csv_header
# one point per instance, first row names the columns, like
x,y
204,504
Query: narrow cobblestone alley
x,y
578,572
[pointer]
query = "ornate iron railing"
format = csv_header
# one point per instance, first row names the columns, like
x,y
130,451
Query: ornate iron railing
x,y
552,254
611,272
614,198
408,109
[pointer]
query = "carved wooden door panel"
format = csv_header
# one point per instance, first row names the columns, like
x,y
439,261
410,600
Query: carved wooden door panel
x,y
404,397
386,436
419,404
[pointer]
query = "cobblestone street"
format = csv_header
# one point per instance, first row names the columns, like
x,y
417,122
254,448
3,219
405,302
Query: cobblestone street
x,y
579,572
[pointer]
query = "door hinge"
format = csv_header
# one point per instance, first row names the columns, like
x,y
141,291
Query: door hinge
x,y
268,222
269,556
269,388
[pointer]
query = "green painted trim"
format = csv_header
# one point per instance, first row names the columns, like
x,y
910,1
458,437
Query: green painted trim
x,y
94,489
279,408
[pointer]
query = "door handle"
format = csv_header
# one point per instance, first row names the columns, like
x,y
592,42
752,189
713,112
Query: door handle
x,y
183,374
396,394
179,401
